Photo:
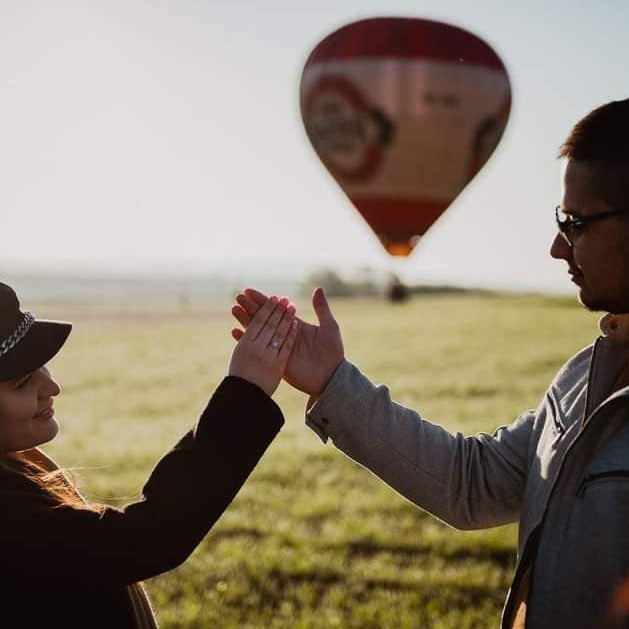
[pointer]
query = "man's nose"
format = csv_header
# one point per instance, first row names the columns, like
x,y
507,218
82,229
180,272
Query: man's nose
x,y
560,248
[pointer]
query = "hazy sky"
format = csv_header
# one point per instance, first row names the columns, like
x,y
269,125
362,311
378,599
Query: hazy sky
x,y
166,134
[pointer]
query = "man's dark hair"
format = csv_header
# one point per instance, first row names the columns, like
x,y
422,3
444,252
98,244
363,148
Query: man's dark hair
x,y
602,138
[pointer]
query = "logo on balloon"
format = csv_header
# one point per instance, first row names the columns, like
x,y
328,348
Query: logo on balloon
x,y
347,132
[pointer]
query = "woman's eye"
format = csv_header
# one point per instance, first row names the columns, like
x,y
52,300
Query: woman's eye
x,y
24,381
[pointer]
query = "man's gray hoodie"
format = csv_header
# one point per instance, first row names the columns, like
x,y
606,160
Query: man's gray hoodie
x,y
561,471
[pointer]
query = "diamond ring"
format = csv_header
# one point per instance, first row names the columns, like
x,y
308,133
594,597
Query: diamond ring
x,y
275,345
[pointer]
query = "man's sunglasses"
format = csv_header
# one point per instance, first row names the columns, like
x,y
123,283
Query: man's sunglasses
x,y
569,226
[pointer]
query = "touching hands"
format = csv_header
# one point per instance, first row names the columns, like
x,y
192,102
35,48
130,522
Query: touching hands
x,y
318,349
263,349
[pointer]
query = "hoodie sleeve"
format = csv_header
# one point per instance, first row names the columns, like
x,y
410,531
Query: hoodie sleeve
x,y
468,482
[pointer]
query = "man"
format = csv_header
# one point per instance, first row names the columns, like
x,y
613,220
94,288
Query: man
x,y
561,471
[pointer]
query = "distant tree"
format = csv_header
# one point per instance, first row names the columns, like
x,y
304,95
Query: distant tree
x,y
367,282
329,280
364,283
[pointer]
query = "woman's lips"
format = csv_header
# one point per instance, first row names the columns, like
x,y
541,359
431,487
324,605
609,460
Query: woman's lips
x,y
46,413
575,276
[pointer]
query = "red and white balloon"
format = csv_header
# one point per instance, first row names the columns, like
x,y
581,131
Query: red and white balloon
x,y
403,113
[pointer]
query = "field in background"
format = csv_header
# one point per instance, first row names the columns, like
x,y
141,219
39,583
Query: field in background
x,y
313,540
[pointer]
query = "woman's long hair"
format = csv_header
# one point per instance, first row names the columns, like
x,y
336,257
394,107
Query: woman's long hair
x,y
31,477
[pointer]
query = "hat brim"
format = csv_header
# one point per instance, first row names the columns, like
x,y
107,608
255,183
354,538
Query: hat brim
x,y
43,340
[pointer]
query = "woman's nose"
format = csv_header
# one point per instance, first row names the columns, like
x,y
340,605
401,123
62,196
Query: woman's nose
x,y
50,387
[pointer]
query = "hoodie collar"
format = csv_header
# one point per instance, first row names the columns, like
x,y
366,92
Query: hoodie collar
x,y
615,327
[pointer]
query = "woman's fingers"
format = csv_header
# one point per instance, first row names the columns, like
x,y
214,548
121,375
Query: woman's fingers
x,y
279,334
264,347
259,321
267,333
289,341
247,305
274,307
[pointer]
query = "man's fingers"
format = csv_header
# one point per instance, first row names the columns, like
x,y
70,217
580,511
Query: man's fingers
x,y
321,307
255,295
241,315
237,334
250,306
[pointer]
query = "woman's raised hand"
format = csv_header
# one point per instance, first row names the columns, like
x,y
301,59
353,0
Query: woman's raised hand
x,y
263,350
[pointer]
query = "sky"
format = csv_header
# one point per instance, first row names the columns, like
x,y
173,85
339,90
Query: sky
x,y
164,137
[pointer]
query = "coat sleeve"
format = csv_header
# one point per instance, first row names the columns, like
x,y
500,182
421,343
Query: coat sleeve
x,y
468,482
186,493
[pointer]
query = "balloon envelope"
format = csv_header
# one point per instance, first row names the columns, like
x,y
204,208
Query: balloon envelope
x,y
403,113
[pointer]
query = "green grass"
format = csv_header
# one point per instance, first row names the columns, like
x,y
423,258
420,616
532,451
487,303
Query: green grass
x,y
313,540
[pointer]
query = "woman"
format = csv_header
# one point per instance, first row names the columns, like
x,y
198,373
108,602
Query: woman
x,y
70,564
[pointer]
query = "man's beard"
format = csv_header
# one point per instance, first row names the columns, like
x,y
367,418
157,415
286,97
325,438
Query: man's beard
x,y
601,304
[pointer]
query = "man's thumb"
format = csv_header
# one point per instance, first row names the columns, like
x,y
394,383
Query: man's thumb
x,y
321,307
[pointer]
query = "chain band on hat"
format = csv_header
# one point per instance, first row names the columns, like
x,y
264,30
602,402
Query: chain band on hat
x,y
20,332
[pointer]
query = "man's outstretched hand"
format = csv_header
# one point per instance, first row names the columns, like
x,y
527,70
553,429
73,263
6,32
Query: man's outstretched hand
x,y
318,349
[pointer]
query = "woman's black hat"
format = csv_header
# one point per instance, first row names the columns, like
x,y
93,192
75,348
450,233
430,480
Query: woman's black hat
x,y
26,343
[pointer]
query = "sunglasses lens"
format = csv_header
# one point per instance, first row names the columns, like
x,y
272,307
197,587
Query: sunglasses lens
x,y
561,216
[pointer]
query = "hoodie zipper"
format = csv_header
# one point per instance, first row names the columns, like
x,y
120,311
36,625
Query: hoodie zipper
x,y
593,363
559,427
591,478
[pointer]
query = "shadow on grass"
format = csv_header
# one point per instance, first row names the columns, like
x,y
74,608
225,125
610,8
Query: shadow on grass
x,y
504,557
278,585
237,531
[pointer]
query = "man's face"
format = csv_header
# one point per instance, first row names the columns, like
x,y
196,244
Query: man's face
x,y
598,259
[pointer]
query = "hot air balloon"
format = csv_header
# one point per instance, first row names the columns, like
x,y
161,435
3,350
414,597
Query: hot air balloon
x,y
403,113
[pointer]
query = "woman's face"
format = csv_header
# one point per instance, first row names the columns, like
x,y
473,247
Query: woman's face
x,y
26,414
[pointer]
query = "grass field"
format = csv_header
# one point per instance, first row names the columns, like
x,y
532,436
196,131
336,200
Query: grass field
x,y
313,540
